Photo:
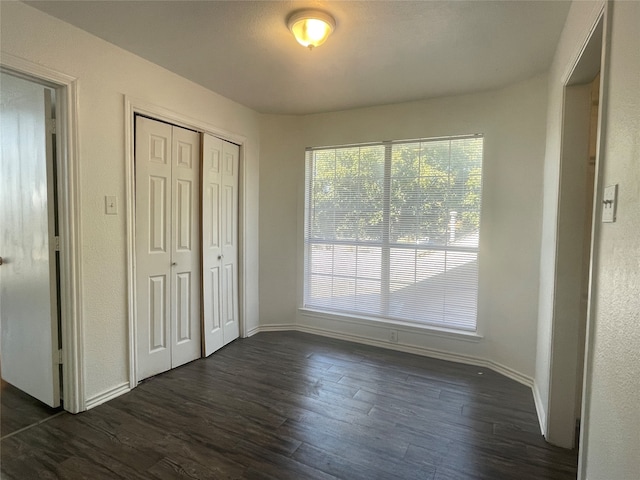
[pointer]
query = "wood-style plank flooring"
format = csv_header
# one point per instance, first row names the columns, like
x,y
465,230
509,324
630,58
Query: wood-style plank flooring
x,y
19,410
296,406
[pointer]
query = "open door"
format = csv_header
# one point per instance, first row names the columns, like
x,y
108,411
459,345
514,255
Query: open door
x,y
28,286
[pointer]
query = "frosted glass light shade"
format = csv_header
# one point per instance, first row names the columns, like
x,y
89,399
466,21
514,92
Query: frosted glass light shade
x,y
311,27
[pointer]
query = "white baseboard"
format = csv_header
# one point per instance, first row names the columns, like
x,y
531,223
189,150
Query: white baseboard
x,y
107,395
426,352
542,414
511,373
275,327
252,332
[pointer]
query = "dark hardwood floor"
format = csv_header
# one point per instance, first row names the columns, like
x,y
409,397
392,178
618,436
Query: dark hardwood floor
x,y
296,406
19,410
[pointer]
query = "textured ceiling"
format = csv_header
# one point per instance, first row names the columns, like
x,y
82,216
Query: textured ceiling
x,y
381,51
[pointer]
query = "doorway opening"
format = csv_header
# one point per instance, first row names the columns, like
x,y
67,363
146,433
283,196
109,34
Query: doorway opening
x,y
577,224
39,240
29,278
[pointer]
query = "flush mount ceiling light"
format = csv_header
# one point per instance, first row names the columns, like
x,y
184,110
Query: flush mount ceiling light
x,y
311,27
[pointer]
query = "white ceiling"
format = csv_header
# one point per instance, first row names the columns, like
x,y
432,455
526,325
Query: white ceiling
x,y
381,51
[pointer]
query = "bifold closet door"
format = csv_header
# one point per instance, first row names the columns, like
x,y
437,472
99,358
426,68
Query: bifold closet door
x,y
167,246
219,242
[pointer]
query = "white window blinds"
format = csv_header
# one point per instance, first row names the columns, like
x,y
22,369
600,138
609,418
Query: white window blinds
x,y
392,230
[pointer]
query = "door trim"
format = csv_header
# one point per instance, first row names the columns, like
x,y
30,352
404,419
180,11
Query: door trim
x,y
133,106
68,174
605,16
599,17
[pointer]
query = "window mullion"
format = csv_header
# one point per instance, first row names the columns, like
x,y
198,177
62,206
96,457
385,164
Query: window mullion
x,y
386,231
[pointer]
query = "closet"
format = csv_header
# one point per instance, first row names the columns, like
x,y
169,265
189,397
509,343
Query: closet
x,y
186,245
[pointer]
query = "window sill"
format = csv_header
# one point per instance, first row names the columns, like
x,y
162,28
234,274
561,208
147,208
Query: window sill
x,y
386,323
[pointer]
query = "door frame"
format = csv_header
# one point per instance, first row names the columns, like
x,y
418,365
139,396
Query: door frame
x,y
604,18
133,106
560,427
68,178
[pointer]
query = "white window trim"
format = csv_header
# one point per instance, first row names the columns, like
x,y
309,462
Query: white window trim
x,y
433,329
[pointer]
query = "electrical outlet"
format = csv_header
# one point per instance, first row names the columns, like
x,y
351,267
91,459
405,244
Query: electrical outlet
x,y
393,336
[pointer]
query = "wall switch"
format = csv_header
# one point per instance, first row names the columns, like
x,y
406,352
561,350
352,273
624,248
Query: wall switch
x,y
609,203
111,205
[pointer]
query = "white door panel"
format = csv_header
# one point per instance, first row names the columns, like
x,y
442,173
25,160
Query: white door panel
x,y
220,251
211,242
185,315
153,246
158,297
167,246
231,154
28,299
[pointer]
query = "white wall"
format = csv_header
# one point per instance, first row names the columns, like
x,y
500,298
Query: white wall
x,y
105,75
613,384
280,143
512,120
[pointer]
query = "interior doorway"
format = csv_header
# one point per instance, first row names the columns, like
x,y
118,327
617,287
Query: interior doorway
x,y
66,352
30,317
577,223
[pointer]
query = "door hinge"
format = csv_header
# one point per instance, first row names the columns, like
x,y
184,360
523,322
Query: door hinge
x,y
51,125
56,243
60,356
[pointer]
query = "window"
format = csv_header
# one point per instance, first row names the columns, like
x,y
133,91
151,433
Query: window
x,y
392,230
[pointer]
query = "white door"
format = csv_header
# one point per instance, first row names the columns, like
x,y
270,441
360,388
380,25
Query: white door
x,y
186,322
167,246
220,242
28,298
229,203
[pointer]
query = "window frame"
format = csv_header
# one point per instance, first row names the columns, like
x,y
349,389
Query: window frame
x,y
386,245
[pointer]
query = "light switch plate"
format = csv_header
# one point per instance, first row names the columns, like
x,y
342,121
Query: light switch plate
x,y
609,203
111,205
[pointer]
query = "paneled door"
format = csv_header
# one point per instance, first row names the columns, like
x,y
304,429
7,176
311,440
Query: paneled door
x,y
28,290
167,246
219,242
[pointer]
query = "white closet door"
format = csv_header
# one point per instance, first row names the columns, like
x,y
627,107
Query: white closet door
x,y
167,246
211,251
153,246
229,202
185,269
220,242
